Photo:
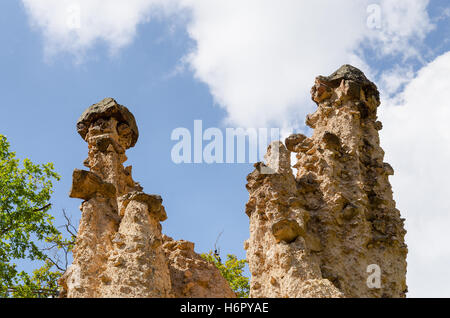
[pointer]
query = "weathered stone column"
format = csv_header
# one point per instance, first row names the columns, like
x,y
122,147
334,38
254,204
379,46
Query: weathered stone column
x,y
118,250
318,234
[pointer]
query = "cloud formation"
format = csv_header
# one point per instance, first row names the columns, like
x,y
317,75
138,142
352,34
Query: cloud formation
x,y
416,139
258,57
74,26
403,26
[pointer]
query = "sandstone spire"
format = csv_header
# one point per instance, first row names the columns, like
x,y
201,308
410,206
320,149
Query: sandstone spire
x,y
120,250
318,233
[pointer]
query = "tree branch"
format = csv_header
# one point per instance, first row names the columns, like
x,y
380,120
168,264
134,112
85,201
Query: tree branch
x,y
55,263
13,225
69,226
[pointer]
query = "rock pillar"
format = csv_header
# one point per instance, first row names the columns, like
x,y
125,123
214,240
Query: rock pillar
x,y
333,229
118,251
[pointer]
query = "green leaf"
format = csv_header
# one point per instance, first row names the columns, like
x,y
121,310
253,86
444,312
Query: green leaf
x,y
25,192
233,271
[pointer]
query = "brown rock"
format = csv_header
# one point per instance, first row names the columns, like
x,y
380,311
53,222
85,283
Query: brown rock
x,y
86,184
119,248
191,275
108,108
293,140
343,204
287,230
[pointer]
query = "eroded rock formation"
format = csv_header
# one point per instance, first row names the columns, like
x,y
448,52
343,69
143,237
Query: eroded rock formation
x,y
313,234
316,233
191,275
120,250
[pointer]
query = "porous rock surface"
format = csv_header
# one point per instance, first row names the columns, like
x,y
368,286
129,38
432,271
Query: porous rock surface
x,y
120,250
191,275
316,233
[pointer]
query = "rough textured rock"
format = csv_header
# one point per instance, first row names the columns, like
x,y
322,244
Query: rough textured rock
x,y
119,247
316,233
108,108
191,275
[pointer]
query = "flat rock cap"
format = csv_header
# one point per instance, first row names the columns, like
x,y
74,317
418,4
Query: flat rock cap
x,y
347,72
107,108
350,73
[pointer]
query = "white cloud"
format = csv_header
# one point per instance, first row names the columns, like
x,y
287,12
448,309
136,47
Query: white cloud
x,y
258,57
74,26
416,139
404,25
393,80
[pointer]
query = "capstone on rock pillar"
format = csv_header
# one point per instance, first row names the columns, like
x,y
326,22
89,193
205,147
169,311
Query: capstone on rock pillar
x,y
118,251
333,229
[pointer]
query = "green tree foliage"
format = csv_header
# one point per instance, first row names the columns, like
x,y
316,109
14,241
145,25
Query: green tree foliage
x,y
42,283
25,190
232,269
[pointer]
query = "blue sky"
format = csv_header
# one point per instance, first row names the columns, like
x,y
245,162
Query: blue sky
x,y
43,100
230,64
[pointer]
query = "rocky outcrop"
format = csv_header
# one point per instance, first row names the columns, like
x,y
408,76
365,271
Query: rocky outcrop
x,y
119,248
317,233
191,275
